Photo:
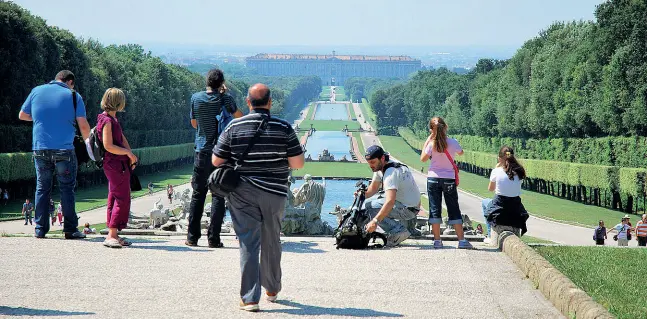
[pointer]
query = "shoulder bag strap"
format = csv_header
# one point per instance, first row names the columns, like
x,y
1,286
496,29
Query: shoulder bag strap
x,y
451,160
259,130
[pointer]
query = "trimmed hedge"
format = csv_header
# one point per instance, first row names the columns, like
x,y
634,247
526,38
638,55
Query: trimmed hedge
x,y
21,137
20,166
623,180
609,151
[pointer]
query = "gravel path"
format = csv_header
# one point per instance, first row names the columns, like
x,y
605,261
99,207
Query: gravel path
x,y
162,278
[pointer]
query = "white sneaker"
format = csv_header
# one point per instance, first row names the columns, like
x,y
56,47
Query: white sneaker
x,y
487,240
271,298
249,307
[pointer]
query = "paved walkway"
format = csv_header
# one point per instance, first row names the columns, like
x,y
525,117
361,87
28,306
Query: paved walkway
x,y
165,279
537,227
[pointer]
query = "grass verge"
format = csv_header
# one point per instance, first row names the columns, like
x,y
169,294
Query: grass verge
x,y
360,143
368,113
335,169
311,109
325,125
611,276
353,116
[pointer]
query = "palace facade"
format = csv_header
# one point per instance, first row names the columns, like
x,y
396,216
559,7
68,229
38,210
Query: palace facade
x,y
333,69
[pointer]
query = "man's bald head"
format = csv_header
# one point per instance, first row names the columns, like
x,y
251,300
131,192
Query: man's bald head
x,y
258,96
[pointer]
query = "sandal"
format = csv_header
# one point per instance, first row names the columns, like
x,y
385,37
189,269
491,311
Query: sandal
x,y
112,243
124,242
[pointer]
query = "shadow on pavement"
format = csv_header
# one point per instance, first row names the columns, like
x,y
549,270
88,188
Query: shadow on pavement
x,y
22,311
301,247
307,310
133,240
170,248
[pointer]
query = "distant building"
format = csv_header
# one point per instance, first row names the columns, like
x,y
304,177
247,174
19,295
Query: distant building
x,y
334,69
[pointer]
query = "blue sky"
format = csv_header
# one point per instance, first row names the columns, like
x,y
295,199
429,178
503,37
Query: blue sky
x,y
292,22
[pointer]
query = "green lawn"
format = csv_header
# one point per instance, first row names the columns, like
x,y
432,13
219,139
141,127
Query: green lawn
x,y
335,169
537,204
612,276
311,109
368,113
360,143
91,198
327,125
352,111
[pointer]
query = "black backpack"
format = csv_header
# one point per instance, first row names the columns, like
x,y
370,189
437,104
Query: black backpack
x,y
351,232
96,148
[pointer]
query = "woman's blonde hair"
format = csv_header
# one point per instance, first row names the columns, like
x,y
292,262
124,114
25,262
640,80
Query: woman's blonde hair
x,y
113,100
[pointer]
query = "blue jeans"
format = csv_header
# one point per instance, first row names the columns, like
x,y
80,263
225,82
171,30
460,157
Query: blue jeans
x,y
484,204
394,222
63,164
436,188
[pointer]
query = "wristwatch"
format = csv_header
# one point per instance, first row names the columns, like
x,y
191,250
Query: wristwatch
x,y
375,221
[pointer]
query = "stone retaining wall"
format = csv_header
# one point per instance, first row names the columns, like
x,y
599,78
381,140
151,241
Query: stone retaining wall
x,y
556,287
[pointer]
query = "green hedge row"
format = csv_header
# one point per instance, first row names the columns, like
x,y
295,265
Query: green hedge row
x,y
20,166
610,151
21,137
628,181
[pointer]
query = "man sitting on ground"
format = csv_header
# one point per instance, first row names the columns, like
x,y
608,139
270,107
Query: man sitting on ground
x,y
401,198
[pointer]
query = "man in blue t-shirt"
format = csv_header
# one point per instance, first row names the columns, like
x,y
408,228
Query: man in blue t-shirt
x,y
51,108
205,106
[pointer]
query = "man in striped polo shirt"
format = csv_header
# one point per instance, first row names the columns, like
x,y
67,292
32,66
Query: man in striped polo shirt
x,y
257,205
205,106
641,231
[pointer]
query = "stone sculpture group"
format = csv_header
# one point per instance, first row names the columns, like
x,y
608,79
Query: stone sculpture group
x,y
173,218
303,209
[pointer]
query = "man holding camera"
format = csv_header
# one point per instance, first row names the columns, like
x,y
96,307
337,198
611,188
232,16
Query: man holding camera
x,y
400,201
205,106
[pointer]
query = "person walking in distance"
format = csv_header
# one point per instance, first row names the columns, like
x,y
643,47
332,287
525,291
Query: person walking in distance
x,y
169,193
205,107
118,163
441,180
600,234
51,108
623,230
59,214
27,209
641,231
258,203
52,211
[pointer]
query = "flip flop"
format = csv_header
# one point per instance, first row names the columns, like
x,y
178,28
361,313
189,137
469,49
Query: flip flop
x,y
124,242
111,243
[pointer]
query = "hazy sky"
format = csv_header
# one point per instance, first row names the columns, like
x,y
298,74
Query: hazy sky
x,y
307,22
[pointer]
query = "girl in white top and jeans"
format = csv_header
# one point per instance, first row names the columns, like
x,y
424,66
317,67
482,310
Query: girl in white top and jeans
x,y
505,181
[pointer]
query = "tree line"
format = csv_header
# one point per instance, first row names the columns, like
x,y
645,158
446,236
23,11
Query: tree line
x,y
579,79
157,94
